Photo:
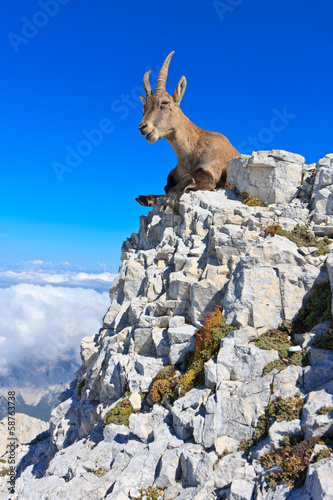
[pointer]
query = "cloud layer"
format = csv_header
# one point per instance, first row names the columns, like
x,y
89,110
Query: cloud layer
x,y
100,282
41,323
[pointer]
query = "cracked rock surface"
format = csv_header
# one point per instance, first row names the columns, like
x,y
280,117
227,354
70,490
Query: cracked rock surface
x,y
176,269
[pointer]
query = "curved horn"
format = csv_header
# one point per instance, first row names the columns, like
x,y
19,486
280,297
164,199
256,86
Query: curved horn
x,y
162,77
146,83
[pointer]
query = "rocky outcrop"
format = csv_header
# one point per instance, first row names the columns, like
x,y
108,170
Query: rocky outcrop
x,y
271,176
174,271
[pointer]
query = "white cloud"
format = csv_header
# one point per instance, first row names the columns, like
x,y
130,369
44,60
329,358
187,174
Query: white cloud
x,y
100,282
44,322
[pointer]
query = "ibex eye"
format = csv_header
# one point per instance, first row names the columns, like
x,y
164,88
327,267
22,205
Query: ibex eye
x,y
164,103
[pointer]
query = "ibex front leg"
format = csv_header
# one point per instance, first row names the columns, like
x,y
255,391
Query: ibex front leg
x,y
201,179
148,200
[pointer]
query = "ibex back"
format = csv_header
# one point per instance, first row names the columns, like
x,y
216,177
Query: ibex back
x,y
202,155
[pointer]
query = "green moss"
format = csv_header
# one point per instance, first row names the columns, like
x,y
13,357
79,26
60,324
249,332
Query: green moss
x,y
280,409
325,341
120,414
323,410
251,201
280,364
280,340
322,251
285,408
325,453
80,387
302,236
275,339
316,310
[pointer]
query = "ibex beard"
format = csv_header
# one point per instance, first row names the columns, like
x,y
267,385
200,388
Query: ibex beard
x,y
202,155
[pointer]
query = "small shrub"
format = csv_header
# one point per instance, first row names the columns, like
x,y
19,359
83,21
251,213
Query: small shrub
x,y
322,251
80,387
302,236
188,381
251,201
4,472
273,229
275,339
292,462
280,409
260,432
207,345
166,372
316,310
120,414
279,340
150,493
158,390
286,408
207,339
325,341
324,453
100,472
323,410
280,364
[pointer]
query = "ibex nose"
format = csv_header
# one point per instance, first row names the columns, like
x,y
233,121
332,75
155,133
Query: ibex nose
x,y
142,126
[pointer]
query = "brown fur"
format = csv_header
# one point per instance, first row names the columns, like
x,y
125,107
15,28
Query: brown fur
x,y
202,155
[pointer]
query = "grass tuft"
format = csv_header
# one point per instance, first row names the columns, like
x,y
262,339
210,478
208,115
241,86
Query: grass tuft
x,y
207,345
251,201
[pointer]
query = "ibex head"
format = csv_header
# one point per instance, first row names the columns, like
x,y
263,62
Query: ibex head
x,y
160,109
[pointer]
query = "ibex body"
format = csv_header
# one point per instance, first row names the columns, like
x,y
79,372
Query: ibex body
x,y
202,155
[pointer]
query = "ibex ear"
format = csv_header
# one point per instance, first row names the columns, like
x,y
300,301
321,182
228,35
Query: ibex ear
x,y
180,90
143,99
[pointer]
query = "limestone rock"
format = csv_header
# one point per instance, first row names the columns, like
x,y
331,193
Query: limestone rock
x,y
135,401
268,285
213,251
319,479
272,176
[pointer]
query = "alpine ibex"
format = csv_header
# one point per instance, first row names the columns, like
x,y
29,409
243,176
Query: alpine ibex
x,y
202,155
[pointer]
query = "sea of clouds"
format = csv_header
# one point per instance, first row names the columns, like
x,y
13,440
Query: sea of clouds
x,y
46,310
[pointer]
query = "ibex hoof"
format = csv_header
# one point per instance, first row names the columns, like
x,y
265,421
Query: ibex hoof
x,y
142,200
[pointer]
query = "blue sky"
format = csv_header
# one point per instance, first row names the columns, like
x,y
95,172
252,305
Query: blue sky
x,y
259,72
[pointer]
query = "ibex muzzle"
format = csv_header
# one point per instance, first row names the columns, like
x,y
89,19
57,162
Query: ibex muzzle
x,y
202,156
